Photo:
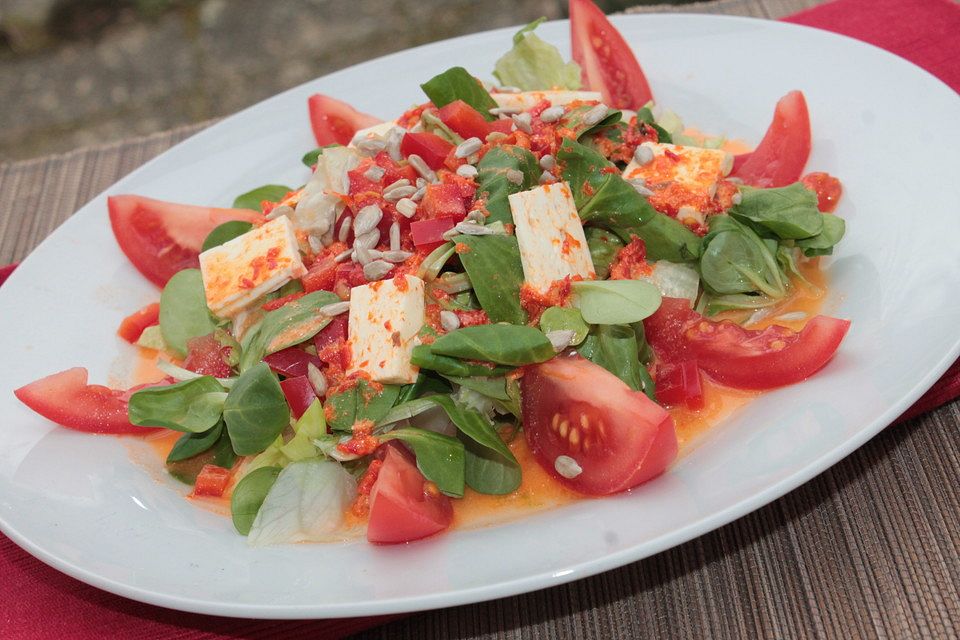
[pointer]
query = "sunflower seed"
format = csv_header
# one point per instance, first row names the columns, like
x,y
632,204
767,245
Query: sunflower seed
x,y
361,255
561,338
279,210
449,320
367,218
505,111
467,171
420,183
377,269
522,122
418,195
546,177
316,378
395,236
548,162
396,256
367,240
343,255
552,114
641,188
394,138
595,115
406,207
515,176
567,467
468,147
737,198
643,155
476,216
335,308
495,136
422,168
402,182
393,195
345,229
316,245
472,229
735,180
374,173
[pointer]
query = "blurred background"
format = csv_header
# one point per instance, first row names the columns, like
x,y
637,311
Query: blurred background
x,y
83,72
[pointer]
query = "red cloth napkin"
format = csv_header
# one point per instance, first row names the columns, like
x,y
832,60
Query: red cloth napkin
x,y
40,602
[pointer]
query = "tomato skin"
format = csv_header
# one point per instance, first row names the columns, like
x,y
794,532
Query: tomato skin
x,y
622,437
299,394
133,325
334,121
827,188
738,357
780,157
465,120
67,399
212,481
161,238
428,234
206,356
429,146
322,275
607,63
403,505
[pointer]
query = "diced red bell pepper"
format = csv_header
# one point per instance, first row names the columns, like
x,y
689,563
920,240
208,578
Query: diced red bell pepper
x,y
291,362
443,201
680,384
333,333
299,394
429,146
211,481
428,234
465,120
501,126
349,275
321,276
133,325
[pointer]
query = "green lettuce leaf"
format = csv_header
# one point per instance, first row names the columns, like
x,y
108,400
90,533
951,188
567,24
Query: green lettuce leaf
x,y
533,64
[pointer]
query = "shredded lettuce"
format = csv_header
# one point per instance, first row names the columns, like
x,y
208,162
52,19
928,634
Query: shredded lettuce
x,y
533,64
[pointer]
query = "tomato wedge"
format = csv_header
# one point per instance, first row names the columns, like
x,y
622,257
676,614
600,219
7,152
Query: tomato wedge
x,y
334,121
827,188
403,505
680,385
780,157
133,325
618,437
67,399
738,357
607,63
161,238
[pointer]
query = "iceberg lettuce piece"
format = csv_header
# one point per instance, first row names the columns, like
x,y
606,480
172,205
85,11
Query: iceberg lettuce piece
x,y
533,64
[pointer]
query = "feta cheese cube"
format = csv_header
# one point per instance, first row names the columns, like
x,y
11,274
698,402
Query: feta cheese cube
x,y
385,318
550,235
377,131
239,272
527,99
683,179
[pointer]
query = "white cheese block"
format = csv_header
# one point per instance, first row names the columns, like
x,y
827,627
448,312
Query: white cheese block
x,y
692,171
236,274
550,235
528,99
376,131
384,322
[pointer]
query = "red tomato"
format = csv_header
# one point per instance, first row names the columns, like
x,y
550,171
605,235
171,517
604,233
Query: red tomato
x,y
299,394
292,361
322,275
276,303
133,325
827,188
680,384
206,356
334,121
465,120
780,157
429,146
738,357
607,63
161,238
67,399
211,481
443,200
428,234
403,505
619,437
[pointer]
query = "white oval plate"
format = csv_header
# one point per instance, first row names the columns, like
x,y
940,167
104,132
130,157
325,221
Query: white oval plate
x,y
888,129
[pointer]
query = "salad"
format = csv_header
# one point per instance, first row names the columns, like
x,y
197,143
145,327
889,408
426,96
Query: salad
x,y
545,276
